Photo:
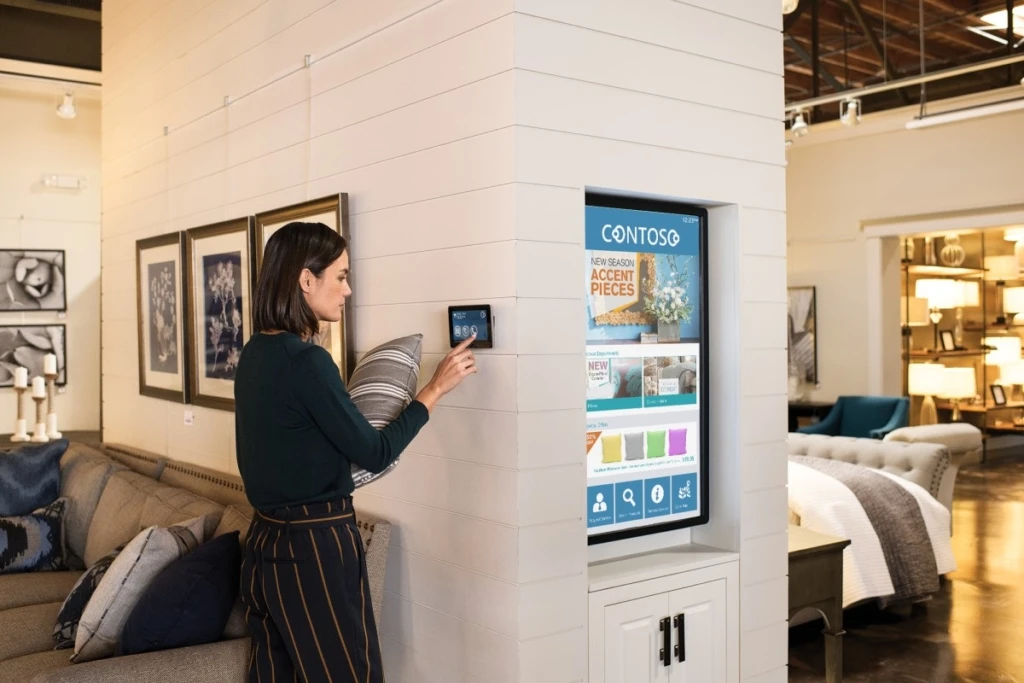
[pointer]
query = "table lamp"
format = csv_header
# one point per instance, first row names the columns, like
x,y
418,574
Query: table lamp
x,y
928,380
958,384
967,294
1013,303
1000,269
1003,350
940,294
914,311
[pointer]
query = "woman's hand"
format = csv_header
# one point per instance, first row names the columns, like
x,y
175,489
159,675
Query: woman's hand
x,y
456,366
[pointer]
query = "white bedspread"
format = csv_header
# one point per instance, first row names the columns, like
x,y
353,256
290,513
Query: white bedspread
x,y
827,506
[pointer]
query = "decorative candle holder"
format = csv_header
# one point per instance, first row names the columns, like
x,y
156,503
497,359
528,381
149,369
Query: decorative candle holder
x,y
40,434
21,424
51,413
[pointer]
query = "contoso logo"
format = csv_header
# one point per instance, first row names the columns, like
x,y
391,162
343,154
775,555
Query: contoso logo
x,y
640,235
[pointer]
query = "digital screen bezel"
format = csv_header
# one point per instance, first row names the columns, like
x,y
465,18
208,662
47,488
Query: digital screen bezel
x,y
479,343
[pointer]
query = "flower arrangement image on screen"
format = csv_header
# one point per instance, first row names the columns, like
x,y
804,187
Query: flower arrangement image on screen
x,y
645,354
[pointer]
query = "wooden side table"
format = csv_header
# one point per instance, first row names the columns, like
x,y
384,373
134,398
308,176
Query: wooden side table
x,y
816,581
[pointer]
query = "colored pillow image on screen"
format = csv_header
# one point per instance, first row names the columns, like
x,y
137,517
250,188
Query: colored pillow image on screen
x,y
634,446
656,444
677,441
611,448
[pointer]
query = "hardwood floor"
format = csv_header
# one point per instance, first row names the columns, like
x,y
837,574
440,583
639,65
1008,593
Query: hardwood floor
x,y
971,632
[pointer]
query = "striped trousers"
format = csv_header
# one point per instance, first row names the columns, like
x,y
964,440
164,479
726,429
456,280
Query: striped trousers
x,y
307,597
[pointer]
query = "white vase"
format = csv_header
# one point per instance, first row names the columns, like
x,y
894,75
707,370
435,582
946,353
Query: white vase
x,y
668,332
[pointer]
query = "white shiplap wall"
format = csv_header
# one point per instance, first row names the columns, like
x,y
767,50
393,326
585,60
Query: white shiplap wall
x,y
684,100
464,132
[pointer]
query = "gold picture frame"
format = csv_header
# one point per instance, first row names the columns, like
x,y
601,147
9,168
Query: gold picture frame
x,y
218,286
332,211
161,314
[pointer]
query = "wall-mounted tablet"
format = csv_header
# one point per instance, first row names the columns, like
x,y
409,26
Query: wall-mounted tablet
x,y
465,321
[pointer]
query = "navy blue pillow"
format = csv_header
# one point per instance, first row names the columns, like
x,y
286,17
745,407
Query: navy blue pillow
x,y
189,602
30,477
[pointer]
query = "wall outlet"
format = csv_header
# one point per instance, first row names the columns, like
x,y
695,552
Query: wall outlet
x,y
190,417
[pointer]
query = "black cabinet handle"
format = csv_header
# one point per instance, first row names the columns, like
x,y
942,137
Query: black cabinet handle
x,y
666,638
680,622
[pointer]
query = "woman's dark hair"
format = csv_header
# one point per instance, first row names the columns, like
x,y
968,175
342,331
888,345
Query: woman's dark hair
x,y
278,303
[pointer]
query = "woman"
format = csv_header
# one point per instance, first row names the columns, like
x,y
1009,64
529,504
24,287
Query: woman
x,y
304,579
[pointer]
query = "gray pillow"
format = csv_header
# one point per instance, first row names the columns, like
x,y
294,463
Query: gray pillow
x,y
635,446
383,383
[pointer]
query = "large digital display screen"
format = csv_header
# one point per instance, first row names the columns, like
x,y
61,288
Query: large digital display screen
x,y
647,420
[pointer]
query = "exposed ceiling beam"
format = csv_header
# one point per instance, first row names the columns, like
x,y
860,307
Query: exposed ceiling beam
x,y
50,8
806,56
912,21
876,45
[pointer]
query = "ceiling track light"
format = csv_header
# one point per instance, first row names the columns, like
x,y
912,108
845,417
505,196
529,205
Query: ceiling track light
x,y
966,114
66,109
850,112
798,126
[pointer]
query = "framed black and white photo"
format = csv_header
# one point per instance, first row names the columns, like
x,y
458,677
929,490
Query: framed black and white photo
x,y
163,368
32,280
218,262
26,346
803,332
947,340
332,211
998,394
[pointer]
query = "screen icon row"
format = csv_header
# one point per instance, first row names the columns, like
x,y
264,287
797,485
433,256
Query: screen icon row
x,y
629,501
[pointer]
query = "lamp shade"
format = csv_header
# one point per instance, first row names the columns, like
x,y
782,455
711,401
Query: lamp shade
x,y
967,293
1014,234
1012,373
926,379
958,383
939,293
1013,299
1001,268
1005,350
913,311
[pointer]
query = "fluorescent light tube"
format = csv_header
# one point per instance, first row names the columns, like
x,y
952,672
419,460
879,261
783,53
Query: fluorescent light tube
x,y
1004,107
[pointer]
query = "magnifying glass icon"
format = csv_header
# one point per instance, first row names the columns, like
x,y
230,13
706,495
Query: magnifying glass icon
x,y
627,496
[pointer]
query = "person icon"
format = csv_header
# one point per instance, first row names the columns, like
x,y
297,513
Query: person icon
x,y
599,503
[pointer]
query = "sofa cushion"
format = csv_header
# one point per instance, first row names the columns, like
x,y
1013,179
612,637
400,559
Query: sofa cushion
x,y
132,502
24,630
66,628
30,477
189,602
24,668
34,542
34,588
102,622
83,474
383,383
235,518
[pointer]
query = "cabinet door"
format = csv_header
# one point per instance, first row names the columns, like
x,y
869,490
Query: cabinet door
x,y
699,634
633,641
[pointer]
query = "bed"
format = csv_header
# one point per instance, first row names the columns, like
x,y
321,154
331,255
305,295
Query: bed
x,y
884,497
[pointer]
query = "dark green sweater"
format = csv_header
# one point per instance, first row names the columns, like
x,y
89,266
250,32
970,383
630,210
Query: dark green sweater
x,y
296,429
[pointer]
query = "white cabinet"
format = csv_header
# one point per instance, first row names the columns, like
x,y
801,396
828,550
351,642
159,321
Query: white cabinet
x,y
675,628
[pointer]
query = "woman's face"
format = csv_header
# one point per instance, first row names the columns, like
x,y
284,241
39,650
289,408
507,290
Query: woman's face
x,y
326,295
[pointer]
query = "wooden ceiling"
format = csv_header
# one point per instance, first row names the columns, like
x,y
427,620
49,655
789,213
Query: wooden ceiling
x,y
861,42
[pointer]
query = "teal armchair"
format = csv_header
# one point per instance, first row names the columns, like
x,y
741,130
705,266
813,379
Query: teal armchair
x,y
866,417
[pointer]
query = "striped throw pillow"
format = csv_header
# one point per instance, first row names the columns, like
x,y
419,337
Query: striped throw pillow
x,y
383,383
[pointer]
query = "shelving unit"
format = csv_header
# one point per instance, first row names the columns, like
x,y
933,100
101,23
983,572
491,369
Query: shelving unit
x,y
977,323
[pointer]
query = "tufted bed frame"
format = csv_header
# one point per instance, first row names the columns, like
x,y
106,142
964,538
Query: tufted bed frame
x,y
928,465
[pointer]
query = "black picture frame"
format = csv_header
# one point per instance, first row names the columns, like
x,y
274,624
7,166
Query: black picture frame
x,y
998,394
37,280
947,341
173,245
704,385
337,338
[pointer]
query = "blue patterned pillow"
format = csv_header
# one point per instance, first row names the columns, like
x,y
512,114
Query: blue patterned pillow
x,y
66,628
35,542
30,477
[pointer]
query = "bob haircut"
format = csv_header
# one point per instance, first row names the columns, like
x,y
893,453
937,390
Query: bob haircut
x,y
278,303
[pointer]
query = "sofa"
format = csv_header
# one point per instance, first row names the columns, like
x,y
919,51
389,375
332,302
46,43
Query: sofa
x,y
866,417
114,492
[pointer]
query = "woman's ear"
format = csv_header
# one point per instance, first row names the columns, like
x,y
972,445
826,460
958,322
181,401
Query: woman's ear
x,y
306,280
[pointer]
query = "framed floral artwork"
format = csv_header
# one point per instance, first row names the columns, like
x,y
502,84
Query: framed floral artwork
x,y
332,211
163,366
218,263
32,280
25,346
